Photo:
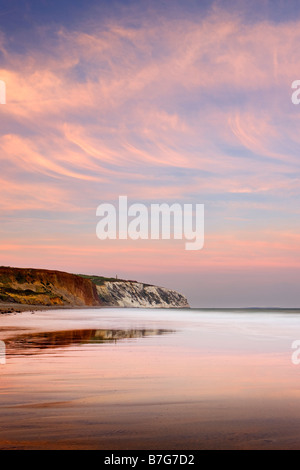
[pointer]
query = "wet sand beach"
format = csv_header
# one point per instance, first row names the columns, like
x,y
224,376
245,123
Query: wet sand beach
x,y
154,380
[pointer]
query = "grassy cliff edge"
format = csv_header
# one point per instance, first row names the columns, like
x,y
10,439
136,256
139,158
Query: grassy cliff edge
x,y
41,287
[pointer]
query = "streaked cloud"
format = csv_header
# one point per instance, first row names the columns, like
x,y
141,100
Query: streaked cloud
x,y
160,107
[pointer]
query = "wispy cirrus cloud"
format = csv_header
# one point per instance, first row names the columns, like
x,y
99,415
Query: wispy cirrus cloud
x,y
193,108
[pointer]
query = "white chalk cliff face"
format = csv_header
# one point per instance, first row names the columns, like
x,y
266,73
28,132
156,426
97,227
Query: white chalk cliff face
x,y
135,294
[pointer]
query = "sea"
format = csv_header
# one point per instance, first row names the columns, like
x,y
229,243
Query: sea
x,y
150,379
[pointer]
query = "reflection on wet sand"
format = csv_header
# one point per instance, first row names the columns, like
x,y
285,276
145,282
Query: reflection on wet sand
x,y
224,380
34,343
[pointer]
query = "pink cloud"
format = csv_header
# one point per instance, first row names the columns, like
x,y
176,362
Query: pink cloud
x,y
147,112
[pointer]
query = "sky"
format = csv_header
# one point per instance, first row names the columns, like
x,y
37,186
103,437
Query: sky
x,y
164,102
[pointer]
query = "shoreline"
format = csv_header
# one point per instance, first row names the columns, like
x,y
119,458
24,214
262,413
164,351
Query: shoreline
x,y
8,308
12,309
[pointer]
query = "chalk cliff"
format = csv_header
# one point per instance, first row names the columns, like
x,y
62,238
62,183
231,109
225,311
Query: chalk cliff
x,y
55,288
136,294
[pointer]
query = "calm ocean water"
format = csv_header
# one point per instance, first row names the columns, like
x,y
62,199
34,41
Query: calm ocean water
x,y
150,379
